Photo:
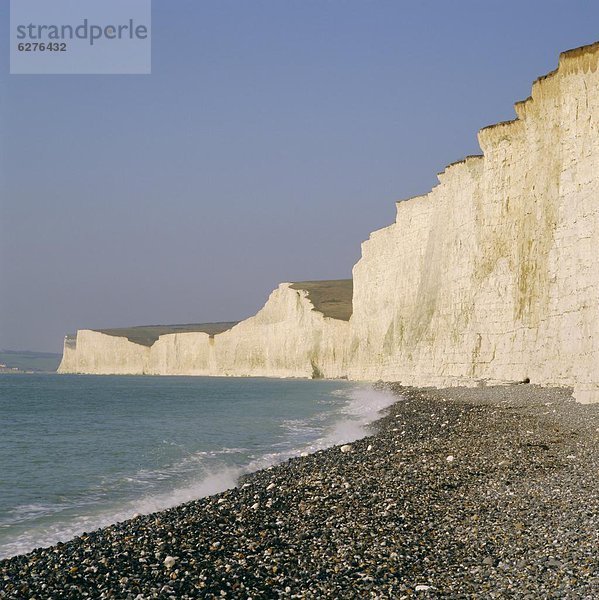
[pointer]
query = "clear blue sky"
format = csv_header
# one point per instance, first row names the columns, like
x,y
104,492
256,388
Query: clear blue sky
x,y
271,138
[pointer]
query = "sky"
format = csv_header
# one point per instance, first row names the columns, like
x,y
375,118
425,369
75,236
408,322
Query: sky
x,y
270,139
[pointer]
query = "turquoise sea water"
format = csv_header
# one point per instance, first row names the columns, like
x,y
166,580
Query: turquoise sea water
x,y
81,452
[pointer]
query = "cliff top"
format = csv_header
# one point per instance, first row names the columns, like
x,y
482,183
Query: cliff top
x,y
146,335
332,298
581,59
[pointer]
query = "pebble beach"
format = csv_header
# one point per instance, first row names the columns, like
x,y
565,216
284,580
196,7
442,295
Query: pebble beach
x,y
458,493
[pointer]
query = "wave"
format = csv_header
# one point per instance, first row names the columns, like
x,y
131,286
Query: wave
x,y
351,421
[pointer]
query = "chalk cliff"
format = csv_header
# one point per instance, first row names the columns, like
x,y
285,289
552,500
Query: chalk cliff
x,y
301,331
94,352
491,277
494,275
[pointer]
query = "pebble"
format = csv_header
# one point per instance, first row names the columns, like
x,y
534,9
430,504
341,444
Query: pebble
x,y
514,517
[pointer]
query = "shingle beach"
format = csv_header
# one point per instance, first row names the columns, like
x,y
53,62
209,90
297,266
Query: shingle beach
x,y
459,493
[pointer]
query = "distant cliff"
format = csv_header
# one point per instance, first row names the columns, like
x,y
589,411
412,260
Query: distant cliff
x,y
301,331
491,277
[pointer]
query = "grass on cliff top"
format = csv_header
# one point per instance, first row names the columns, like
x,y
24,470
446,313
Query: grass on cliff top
x,y
332,298
146,335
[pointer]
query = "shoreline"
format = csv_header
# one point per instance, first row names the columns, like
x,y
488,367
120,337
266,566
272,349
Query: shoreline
x,y
343,414
340,414
483,492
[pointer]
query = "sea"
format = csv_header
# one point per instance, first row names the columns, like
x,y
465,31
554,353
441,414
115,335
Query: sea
x,y
82,452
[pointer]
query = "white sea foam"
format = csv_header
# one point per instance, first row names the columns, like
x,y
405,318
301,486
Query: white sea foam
x,y
364,405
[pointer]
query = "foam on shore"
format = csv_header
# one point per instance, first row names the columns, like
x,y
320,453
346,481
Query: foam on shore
x,y
364,405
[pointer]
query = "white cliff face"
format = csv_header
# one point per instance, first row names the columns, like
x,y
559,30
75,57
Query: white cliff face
x,y
286,338
97,353
181,354
494,275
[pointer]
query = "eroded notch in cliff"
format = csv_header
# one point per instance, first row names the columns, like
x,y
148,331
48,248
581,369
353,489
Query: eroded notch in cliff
x,y
70,341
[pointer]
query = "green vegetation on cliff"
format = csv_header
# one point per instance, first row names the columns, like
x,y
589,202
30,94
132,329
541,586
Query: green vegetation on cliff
x,y
146,335
332,298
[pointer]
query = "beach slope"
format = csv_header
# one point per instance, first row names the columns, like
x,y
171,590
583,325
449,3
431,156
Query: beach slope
x,y
480,492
